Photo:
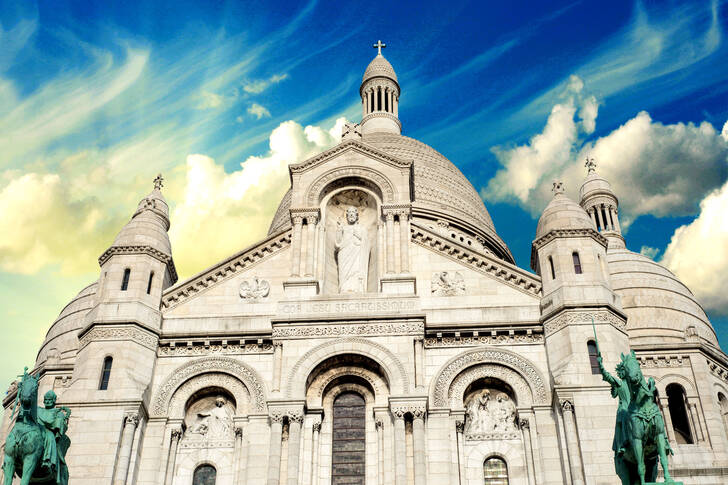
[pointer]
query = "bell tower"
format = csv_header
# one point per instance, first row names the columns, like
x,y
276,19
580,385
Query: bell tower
x,y
379,93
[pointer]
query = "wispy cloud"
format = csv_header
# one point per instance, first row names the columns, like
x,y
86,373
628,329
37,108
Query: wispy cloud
x,y
258,111
260,85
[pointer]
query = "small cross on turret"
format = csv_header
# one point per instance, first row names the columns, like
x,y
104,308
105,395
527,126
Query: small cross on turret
x,y
158,182
591,165
379,45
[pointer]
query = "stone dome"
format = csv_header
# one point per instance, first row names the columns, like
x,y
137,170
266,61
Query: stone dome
x,y
441,192
661,309
148,226
595,184
379,67
61,342
562,213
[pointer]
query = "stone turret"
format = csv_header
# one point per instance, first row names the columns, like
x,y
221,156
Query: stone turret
x,y
380,96
597,198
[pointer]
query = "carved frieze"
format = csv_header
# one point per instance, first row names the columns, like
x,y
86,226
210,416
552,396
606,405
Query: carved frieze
x,y
473,341
344,329
582,318
221,348
658,361
447,283
125,332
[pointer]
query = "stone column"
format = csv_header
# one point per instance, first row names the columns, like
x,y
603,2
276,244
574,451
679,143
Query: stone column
x,y
404,237
418,441
400,451
572,443
131,421
598,209
379,425
277,363
174,442
296,245
312,222
526,430
294,446
396,106
239,467
315,452
419,364
459,429
274,453
668,420
390,242
593,217
699,435
616,219
381,250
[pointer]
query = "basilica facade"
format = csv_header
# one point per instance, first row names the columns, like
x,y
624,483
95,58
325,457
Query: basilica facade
x,y
381,333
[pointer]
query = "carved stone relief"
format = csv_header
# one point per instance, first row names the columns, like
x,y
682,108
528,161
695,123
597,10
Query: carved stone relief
x,y
490,414
209,420
254,289
448,283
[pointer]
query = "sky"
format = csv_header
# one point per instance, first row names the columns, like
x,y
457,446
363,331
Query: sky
x,y
96,98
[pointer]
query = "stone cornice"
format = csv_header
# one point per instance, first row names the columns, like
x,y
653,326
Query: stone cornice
x,y
350,145
226,269
155,253
584,317
483,263
561,233
382,114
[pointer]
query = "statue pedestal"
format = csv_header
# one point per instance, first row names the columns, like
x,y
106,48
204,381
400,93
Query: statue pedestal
x,y
301,287
398,284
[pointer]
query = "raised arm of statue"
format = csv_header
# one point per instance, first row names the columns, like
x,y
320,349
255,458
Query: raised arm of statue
x,y
606,376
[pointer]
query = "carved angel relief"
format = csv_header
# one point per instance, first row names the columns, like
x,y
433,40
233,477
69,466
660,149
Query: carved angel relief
x,y
254,289
448,283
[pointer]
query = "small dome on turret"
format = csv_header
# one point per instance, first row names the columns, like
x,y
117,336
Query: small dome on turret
x,y
594,184
562,213
149,224
379,67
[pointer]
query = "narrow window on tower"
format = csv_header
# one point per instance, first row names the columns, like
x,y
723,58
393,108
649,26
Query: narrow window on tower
x,y
591,347
149,283
577,262
105,374
125,280
553,271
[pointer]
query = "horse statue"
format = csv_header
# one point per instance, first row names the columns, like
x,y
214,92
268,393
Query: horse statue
x,y
639,433
36,446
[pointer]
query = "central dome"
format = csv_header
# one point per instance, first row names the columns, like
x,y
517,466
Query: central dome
x,y
441,193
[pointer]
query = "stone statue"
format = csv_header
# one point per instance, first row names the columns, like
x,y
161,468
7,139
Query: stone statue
x,y
37,444
504,413
352,254
639,434
215,422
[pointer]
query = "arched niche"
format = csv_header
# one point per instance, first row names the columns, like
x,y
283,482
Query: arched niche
x,y
367,201
346,368
520,374
210,384
668,379
211,365
392,369
208,418
490,407
351,176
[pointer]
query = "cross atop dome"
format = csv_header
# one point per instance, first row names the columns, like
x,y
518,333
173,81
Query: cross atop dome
x,y
379,46
158,182
591,165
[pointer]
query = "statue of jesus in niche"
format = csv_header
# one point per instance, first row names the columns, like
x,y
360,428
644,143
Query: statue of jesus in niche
x,y
352,253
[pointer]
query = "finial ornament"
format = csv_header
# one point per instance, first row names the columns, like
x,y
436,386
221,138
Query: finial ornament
x,y
558,187
379,45
158,182
591,165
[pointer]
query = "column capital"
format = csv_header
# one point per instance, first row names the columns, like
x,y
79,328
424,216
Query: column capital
x,y
311,214
295,417
131,418
523,423
566,405
317,426
460,426
238,432
276,416
396,209
176,434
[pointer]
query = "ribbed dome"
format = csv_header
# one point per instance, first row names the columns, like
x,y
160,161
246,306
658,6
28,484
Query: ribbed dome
x,y
595,184
62,336
660,307
562,213
148,226
441,191
379,67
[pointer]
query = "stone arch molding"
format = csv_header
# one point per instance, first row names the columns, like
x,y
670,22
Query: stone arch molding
x,y
391,365
377,179
524,396
233,385
315,391
488,360
668,379
222,365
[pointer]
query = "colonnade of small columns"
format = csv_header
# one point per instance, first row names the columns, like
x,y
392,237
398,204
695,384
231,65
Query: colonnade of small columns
x,y
604,217
309,242
380,98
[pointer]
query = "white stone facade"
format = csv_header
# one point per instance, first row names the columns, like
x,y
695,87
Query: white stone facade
x,y
240,366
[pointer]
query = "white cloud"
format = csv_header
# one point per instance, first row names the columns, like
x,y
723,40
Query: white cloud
x,y
724,133
697,252
210,100
653,168
224,212
260,85
649,251
258,111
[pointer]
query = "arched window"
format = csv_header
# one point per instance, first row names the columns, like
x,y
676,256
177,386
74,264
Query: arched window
x,y
348,442
577,262
149,283
204,475
591,347
105,374
553,271
678,413
495,471
125,280
723,403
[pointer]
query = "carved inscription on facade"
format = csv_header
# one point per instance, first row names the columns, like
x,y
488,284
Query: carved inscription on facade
x,y
349,307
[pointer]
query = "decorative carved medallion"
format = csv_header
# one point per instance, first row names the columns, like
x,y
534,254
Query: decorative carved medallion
x,y
448,283
254,289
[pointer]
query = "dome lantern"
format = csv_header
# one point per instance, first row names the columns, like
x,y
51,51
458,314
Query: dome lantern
x,y
379,93
597,198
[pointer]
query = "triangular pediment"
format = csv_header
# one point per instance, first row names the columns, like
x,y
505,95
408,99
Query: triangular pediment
x,y
347,146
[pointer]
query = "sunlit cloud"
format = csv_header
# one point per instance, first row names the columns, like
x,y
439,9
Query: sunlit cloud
x,y
258,111
260,85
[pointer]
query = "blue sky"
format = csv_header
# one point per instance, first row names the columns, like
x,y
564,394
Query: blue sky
x,y
97,97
